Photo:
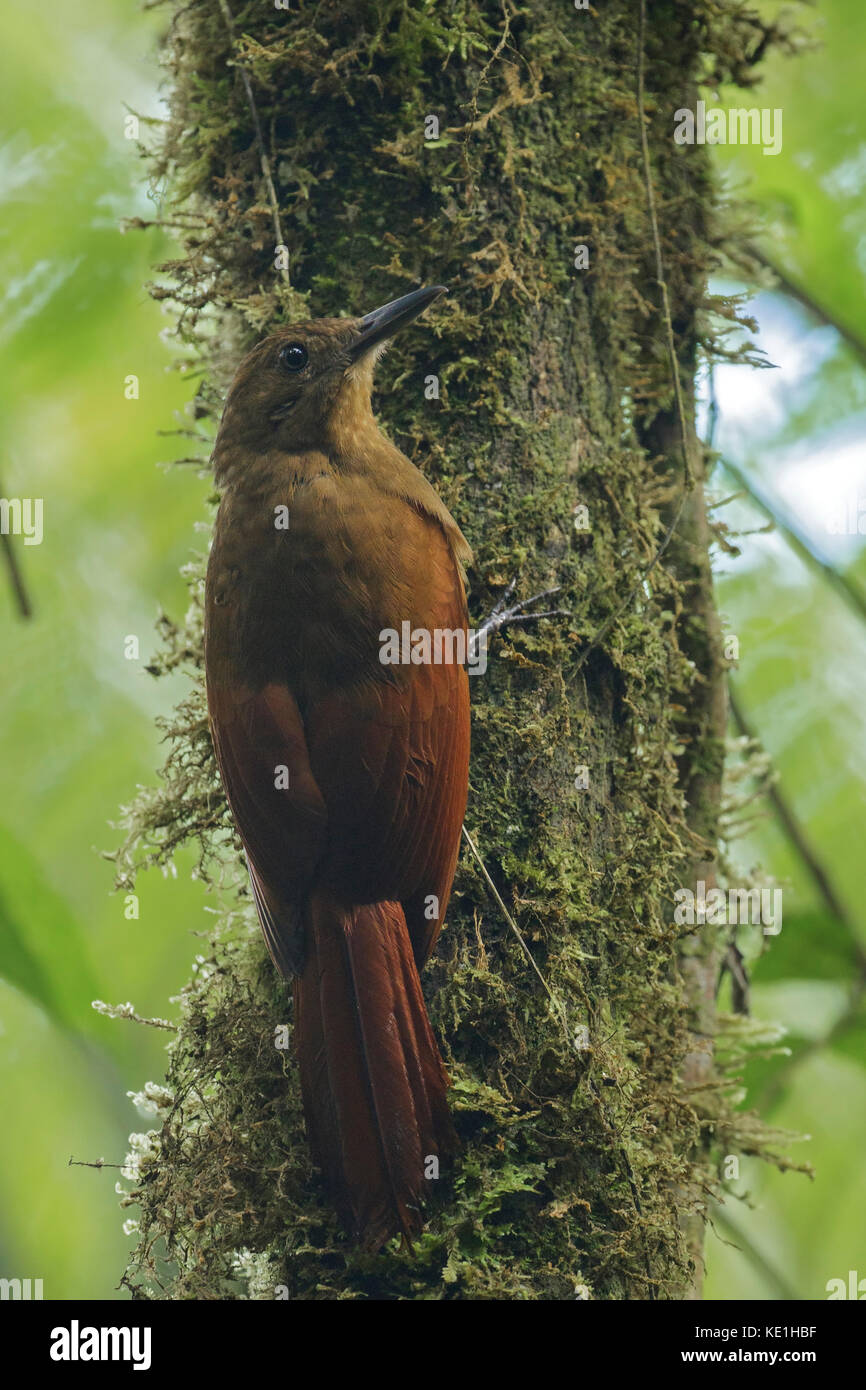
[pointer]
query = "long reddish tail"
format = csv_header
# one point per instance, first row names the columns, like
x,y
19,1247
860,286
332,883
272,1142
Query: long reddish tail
x,y
372,1079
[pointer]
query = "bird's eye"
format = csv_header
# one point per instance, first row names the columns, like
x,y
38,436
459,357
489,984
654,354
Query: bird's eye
x,y
294,356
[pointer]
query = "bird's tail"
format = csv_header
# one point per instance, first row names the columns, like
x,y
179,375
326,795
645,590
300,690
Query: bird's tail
x,y
372,1079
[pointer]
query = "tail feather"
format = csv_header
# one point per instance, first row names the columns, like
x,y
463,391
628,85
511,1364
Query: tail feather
x,y
372,1079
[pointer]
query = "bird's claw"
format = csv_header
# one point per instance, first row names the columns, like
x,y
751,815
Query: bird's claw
x,y
503,616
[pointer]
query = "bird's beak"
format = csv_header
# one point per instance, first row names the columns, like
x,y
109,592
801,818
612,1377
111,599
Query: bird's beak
x,y
387,320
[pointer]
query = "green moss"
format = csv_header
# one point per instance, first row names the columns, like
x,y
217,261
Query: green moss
x,y
553,381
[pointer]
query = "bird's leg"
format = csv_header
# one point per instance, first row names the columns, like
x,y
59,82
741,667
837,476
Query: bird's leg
x,y
504,616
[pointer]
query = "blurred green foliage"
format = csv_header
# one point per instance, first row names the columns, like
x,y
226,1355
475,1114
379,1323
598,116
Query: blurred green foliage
x,y
78,727
797,433
77,732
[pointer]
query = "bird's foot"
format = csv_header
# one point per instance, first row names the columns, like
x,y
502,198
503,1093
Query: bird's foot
x,y
505,616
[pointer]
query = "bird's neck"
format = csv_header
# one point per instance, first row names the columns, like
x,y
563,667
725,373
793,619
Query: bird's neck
x,y
350,432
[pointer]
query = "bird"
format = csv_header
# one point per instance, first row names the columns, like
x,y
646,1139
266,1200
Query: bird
x,y
346,774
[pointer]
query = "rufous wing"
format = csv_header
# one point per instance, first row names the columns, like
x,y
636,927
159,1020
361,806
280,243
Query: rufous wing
x,y
278,809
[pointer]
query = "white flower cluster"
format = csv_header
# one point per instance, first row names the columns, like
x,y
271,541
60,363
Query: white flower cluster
x,y
152,1099
141,1146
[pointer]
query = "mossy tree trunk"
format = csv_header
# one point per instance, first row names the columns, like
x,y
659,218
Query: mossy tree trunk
x,y
554,441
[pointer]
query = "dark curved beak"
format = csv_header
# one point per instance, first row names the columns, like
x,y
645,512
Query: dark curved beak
x,y
390,318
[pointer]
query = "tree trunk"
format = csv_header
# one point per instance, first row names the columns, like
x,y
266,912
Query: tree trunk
x,y
540,402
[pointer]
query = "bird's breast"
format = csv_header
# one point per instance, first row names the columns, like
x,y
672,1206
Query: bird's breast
x,y
303,580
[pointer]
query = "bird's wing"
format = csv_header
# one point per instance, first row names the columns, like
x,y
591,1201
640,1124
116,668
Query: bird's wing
x,y
391,760
281,818
373,789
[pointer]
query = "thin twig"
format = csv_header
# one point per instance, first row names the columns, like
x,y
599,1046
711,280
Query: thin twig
x,y
127,1011
799,841
797,291
852,595
16,579
793,535
100,1163
257,126
556,1004
688,476
774,1089
822,881
657,245
741,1242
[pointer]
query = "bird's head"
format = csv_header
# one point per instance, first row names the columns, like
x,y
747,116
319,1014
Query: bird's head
x,y
308,385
